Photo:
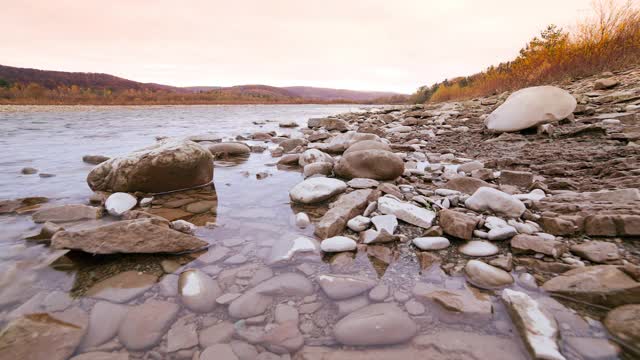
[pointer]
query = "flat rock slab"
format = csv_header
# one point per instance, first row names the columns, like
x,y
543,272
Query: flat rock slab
x,y
339,287
341,211
406,212
145,324
128,236
67,213
122,287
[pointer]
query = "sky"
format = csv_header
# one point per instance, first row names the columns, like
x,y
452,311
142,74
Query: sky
x,y
388,45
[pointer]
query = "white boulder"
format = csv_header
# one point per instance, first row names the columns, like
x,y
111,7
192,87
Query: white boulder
x,y
338,244
119,203
431,243
490,199
315,190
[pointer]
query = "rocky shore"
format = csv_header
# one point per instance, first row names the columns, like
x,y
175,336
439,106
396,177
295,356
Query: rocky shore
x,y
505,227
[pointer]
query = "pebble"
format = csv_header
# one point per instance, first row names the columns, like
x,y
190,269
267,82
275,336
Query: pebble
x,y
431,243
359,223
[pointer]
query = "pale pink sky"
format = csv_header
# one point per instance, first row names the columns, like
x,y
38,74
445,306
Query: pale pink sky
x,y
394,45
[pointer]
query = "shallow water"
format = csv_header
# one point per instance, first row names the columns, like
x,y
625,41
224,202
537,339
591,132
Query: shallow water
x,y
256,212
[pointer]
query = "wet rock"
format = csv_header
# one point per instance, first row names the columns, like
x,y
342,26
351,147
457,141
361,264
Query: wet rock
x,y
377,324
341,211
478,248
379,292
284,313
28,171
122,287
46,232
128,236
523,244
338,244
67,213
406,212
145,324
119,203
41,336
530,107
95,159
249,304
319,168
597,251
431,243
468,300
283,338
316,190
465,184
502,233
339,287
370,164
289,159
538,329
362,183
457,224
359,223
183,226
11,206
287,249
624,323
290,144
468,167
314,156
486,276
165,166
302,220
522,179
104,321
489,199
198,291
182,335
602,284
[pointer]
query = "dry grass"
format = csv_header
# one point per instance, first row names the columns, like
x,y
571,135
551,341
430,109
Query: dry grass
x,y
607,41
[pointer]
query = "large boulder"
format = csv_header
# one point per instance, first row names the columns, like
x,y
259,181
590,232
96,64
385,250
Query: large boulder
x,y
166,166
378,324
370,164
315,190
531,107
143,235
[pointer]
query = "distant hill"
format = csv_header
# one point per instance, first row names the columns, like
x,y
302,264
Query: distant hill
x,y
51,79
55,87
309,92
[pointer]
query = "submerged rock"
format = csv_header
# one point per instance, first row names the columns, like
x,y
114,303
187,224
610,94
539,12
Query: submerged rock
x,y
166,166
128,236
288,248
597,251
95,159
467,301
538,329
315,190
67,213
145,324
377,324
122,287
104,321
522,244
198,291
339,287
119,203
531,107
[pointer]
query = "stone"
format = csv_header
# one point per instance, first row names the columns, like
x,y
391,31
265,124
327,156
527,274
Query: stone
x,y
102,355
95,159
183,226
341,211
597,251
284,313
166,166
216,334
338,244
490,199
145,324
318,168
624,323
362,183
367,145
347,306
431,243
289,159
41,336
601,284
122,287
605,83
67,213
104,321
198,292
28,171
522,179
467,300
478,248
457,224
414,308
370,164
538,329
486,276
286,249
119,203
359,223
377,324
593,348
284,338
379,293
182,336
470,166
531,107
245,351
302,220
315,190
339,287
406,212
290,144
248,305
465,184
329,124
128,236
221,351
502,233
386,222
16,205
523,244
314,156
